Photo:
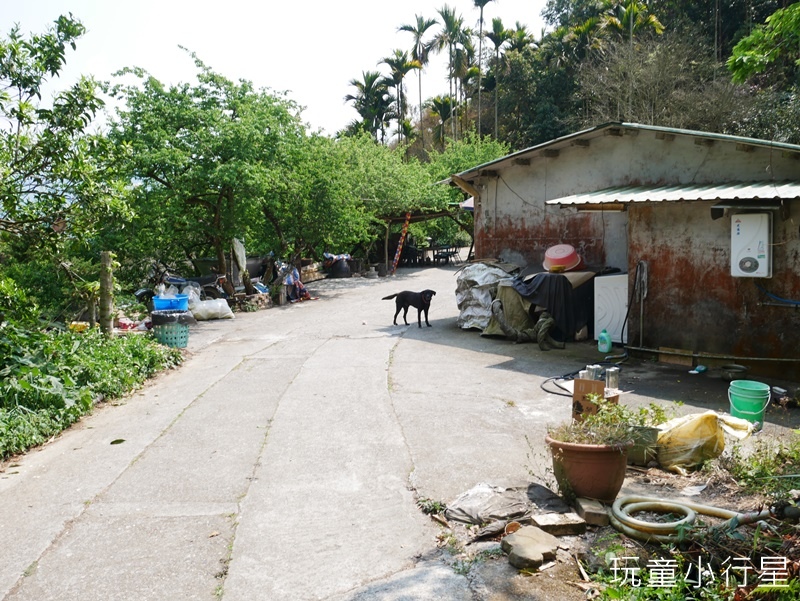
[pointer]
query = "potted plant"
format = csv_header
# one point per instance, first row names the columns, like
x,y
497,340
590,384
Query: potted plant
x,y
590,455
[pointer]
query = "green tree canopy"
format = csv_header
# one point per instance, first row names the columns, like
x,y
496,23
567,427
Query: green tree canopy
x,y
50,172
772,49
218,160
204,160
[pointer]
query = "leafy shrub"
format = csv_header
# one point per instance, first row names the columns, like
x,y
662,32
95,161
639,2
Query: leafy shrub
x,y
47,289
22,429
15,304
49,379
609,426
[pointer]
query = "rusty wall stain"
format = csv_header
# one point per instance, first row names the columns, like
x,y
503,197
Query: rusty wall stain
x,y
694,303
532,239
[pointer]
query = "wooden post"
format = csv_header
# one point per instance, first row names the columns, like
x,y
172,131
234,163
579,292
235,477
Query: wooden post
x,y
106,294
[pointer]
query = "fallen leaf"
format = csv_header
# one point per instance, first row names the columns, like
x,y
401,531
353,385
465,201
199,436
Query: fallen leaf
x,y
213,534
118,441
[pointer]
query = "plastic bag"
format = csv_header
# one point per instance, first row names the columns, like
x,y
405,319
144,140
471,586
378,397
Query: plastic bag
x,y
194,295
216,308
685,442
160,318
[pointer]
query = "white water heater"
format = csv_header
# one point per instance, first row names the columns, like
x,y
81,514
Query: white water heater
x,y
610,306
751,245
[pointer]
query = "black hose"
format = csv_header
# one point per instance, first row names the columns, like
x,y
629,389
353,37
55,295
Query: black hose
x,y
571,376
554,380
609,358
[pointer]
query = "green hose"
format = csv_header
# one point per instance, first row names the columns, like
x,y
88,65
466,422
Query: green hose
x,y
675,531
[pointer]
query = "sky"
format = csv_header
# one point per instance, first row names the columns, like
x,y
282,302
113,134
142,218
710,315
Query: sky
x,y
311,49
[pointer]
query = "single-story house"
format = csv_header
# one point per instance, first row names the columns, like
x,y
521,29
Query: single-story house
x,y
706,226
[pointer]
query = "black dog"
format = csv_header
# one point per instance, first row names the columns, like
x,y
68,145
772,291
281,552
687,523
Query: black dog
x,y
406,299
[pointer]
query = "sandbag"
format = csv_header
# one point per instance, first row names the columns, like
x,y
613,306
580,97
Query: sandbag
x,y
686,442
216,308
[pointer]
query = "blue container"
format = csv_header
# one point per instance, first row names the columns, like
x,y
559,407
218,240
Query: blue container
x,y
179,302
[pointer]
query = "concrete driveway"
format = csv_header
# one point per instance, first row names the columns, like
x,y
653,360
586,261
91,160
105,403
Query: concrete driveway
x,y
283,460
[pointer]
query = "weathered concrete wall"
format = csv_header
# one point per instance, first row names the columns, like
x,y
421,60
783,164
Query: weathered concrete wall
x,y
693,302
513,223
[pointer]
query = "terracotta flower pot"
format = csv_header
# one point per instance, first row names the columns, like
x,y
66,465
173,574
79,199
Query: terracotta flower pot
x,y
587,470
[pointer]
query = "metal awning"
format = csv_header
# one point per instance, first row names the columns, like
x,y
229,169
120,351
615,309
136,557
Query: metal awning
x,y
729,193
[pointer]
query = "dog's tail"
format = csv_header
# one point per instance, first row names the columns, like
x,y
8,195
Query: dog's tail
x,y
390,297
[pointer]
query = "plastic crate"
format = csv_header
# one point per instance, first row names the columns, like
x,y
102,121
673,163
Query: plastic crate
x,y
172,334
179,302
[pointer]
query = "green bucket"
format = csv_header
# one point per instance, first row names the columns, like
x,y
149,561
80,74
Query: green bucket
x,y
749,400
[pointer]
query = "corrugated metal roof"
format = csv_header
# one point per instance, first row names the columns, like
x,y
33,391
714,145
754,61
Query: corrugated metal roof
x,y
766,190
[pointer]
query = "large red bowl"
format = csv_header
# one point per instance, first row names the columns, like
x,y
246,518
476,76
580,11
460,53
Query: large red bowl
x,y
561,257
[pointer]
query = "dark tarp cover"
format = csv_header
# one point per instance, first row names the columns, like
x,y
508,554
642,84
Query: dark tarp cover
x,y
572,308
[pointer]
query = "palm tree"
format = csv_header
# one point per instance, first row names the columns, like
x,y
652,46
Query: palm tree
x,y
584,38
400,66
464,70
448,38
442,108
630,17
480,4
372,101
520,38
420,53
498,36
467,79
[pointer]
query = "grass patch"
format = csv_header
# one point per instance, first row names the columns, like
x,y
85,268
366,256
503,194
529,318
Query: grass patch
x,y
770,468
431,507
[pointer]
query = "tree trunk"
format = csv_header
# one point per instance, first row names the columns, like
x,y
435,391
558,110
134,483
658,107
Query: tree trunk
x,y
480,70
106,294
386,246
222,269
421,125
496,86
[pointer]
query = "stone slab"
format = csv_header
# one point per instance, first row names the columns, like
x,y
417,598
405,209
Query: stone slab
x,y
560,524
529,547
594,512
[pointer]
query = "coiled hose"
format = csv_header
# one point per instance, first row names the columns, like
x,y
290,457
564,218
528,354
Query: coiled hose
x,y
675,531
